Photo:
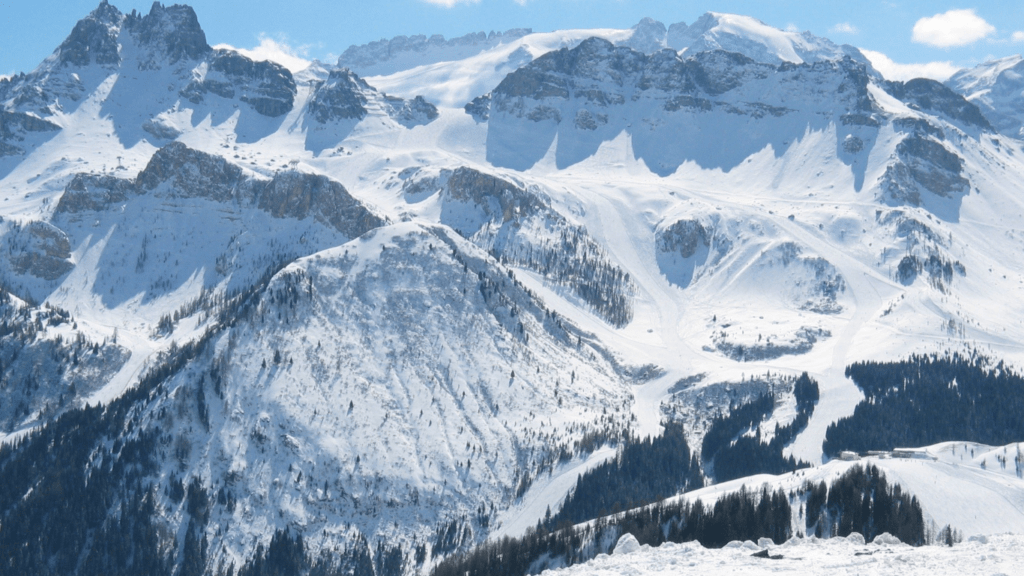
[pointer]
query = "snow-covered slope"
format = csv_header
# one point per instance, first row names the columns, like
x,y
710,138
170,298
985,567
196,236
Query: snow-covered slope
x,y
841,556
756,40
537,272
997,87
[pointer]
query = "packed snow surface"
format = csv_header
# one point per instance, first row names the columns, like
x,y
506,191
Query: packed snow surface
x,y
992,555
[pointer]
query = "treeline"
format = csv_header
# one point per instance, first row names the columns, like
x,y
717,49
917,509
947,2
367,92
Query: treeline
x,y
574,260
859,501
930,399
644,471
741,515
862,501
79,495
731,453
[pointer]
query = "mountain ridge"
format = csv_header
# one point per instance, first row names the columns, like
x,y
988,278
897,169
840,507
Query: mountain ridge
x,y
357,318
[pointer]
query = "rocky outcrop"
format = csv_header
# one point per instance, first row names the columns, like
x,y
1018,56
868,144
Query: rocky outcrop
x,y
684,237
931,96
16,126
924,165
91,192
479,108
173,31
409,113
596,73
93,39
346,96
298,195
581,97
341,97
266,86
41,250
177,171
187,173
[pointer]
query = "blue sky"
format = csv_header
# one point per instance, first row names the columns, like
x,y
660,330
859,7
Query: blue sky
x,y
933,37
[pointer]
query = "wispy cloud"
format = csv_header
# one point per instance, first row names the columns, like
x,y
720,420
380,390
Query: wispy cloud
x,y
891,70
792,27
844,28
952,28
1017,36
276,50
451,3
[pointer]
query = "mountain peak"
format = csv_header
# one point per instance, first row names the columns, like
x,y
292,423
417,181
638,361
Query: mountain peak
x,y
997,88
93,39
175,28
648,36
757,40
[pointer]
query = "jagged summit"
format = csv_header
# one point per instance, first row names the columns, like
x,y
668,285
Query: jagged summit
x,y
175,29
335,306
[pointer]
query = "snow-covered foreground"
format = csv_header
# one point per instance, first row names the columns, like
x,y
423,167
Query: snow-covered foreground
x,y
993,555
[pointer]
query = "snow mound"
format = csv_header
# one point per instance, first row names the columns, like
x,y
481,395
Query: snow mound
x,y
627,544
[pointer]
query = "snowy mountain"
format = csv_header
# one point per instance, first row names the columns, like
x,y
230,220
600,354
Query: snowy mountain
x,y
997,88
365,317
756,40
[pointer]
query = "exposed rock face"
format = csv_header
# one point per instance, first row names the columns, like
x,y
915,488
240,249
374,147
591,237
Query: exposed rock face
x,y
298,195
190,173
409,113
931,96
178,171
90,192
166,36
686,249
15,126
924,165
341,97
479,108
93,39
597,73
346,96
684,237
500,200
594,92
266,86
173,30
42,250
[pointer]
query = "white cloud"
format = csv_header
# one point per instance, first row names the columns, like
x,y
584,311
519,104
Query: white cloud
x,y
278,51
1017,36
451,3
792,28
953,28
940,71
844,28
